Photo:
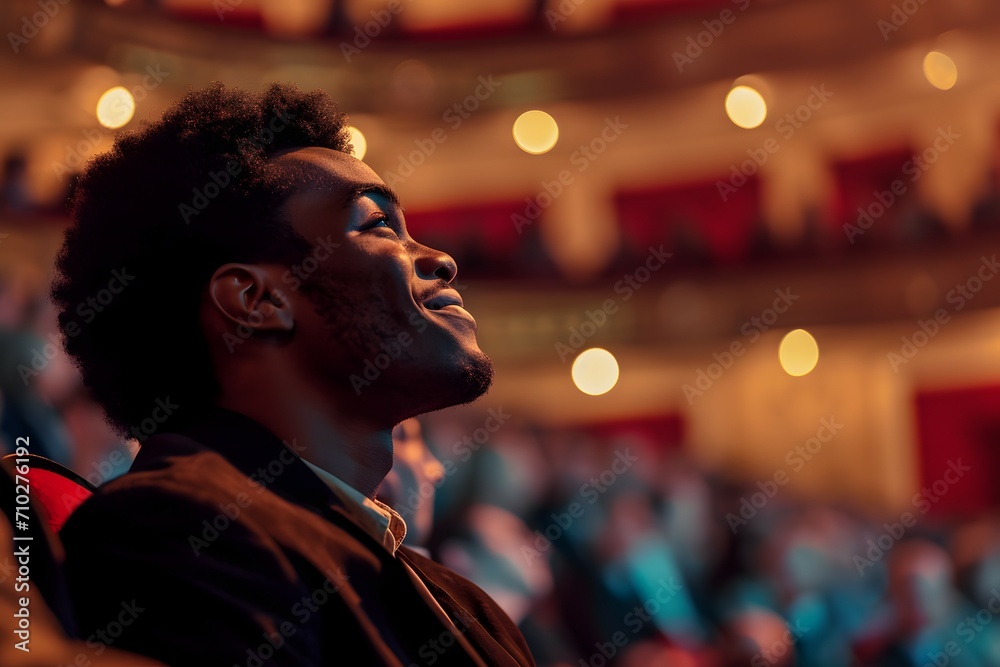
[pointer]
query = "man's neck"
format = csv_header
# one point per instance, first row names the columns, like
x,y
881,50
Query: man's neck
x,y
346,446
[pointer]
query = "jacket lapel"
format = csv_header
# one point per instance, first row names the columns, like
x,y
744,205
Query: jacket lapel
x,y
461,617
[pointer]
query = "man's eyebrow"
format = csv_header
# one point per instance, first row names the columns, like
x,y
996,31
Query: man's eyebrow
x,y
376,188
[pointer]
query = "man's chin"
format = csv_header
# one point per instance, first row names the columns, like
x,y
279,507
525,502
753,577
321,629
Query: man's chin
x,y
477,376
463,383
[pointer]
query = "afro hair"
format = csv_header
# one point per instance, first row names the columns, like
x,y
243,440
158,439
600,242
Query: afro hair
x,y
152,220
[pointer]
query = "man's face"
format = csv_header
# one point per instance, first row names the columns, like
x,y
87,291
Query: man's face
x,y
377,319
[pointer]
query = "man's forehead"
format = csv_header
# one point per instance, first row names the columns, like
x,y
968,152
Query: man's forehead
x,y
326,169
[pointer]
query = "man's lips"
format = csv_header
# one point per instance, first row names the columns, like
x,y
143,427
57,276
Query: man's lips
x,y
442,299
448,302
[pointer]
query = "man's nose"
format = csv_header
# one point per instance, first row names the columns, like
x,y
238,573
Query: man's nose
x,y
433,264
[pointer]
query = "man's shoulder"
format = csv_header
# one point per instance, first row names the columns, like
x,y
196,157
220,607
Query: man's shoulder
x,y
173,464
172,477
179,486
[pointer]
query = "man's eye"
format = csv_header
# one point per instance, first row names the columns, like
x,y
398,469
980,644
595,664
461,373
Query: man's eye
x,y
378,222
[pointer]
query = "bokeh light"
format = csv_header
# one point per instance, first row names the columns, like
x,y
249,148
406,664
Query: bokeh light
x,y
359,142
746,107
940,70
798,352
115,108
535,132
595,371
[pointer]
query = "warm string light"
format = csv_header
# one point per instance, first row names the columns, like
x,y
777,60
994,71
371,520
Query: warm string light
x,y
595,371
798,353
535,132
746,107
115,108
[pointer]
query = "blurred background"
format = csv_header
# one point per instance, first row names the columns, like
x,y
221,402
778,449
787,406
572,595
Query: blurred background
x,y
734,262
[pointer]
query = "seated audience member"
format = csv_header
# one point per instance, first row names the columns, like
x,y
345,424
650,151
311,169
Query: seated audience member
x,y
275,322
410,485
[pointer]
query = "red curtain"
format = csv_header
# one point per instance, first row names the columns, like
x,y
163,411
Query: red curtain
x,y
719,220
959,428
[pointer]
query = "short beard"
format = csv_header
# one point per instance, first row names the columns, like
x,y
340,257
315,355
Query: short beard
x,y
465,381
476,378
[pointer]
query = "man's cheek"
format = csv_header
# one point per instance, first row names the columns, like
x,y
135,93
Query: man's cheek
x,y
418,322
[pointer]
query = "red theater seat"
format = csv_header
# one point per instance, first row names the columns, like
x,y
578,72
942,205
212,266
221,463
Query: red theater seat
x,y
55,490
52,493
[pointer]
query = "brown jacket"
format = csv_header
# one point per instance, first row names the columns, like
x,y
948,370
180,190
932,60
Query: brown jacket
x,y
220,547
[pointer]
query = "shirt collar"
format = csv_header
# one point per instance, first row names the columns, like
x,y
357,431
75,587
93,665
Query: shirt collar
x,y
378,519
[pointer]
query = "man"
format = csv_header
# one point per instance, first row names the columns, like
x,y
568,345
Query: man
x,y
269,321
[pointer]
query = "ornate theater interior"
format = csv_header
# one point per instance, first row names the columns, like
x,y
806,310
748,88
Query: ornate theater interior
x,y
750,242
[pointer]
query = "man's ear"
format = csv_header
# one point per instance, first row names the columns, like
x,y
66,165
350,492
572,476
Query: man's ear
x,y
247,295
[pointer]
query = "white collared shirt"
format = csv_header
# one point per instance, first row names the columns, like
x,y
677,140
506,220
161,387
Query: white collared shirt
x,y
378,519
385,525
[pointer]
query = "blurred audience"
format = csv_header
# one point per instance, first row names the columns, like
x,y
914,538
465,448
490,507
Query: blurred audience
x,y
411,484
30,369
603,561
